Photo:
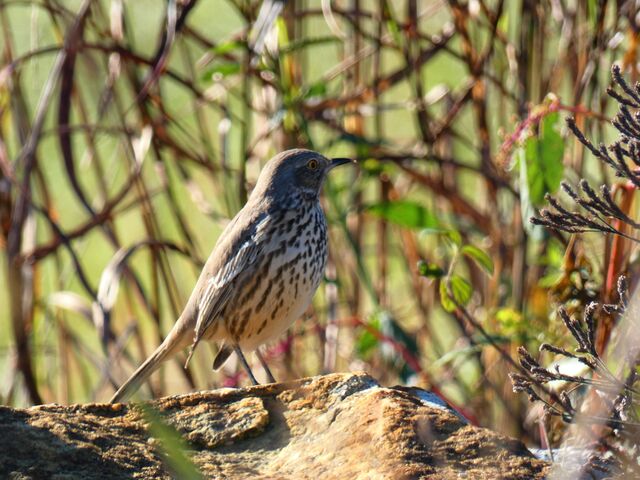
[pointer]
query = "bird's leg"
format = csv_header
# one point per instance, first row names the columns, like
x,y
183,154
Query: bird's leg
x,y
245,364
270,376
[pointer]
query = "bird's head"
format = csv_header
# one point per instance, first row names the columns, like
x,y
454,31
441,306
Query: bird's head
x,y
296,172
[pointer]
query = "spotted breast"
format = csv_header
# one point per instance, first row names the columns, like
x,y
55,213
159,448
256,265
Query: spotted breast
x,y
284,282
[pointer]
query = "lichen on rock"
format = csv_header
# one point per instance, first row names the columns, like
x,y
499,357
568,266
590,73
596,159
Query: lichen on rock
x,y
331,426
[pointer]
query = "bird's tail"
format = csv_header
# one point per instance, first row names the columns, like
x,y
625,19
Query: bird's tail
x,y
175,341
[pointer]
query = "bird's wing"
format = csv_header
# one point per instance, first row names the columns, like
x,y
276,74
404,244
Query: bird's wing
x,y
218,288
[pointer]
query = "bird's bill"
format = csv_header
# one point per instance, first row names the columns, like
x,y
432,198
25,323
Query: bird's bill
x,y
336,162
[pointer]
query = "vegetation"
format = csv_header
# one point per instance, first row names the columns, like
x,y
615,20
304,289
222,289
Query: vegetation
x,y
605,415
130,132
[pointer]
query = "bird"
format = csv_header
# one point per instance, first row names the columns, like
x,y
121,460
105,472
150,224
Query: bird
x,y
262,272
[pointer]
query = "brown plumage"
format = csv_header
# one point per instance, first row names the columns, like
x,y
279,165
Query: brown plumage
x,y
263,271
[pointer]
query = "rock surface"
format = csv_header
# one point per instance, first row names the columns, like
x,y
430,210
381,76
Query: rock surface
x,y
333,426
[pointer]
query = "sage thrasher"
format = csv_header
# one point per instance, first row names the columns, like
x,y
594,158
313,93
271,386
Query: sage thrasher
x,y
263,271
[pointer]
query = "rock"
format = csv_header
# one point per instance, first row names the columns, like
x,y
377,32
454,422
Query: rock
x,y
332,426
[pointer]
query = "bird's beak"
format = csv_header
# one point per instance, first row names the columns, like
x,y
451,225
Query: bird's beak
x,y
336,162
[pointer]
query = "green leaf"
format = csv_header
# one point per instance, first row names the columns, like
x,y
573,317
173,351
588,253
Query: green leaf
x,y
461,289
454,237
222,69
392,24
480,256
367,340
543,155
511,321
503,23
552,151
372,166
445,299
316,90
456,291
405,213
526,207
227,47
551,279
430,270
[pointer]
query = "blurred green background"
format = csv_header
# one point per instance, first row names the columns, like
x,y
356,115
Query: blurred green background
x,y
131,132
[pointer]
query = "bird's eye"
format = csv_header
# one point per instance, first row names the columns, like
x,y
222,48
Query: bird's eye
x,y
312,165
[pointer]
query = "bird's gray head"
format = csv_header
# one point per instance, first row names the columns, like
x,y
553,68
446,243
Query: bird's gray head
x,y
295,174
